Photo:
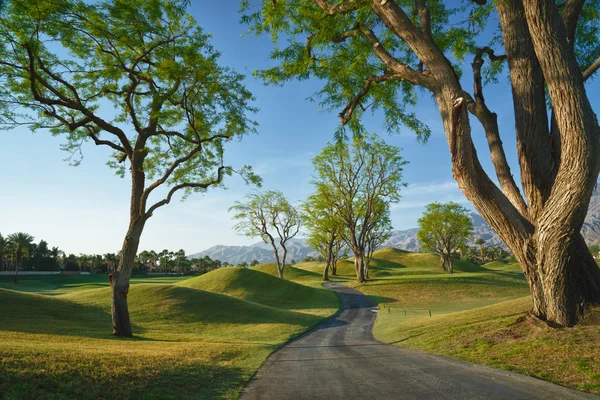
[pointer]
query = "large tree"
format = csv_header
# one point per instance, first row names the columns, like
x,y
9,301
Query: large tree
x,y
373,55
359,180
270,216
137,77
444,228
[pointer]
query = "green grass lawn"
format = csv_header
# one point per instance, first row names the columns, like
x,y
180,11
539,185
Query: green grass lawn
x,y
475,315
199,338
60,284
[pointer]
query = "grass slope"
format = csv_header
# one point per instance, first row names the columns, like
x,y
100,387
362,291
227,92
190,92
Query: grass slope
x,y
190,343
474,318
263,288
60,284
290,273
491,335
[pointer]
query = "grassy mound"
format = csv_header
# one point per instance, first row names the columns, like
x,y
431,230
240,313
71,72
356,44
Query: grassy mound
x,y
263,288
291,273
189,343
491,335
500,266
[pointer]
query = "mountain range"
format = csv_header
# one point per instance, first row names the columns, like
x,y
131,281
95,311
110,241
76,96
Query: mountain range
x,y
406,239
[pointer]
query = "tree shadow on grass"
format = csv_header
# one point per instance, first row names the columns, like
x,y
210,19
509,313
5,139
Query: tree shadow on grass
x,y
122,378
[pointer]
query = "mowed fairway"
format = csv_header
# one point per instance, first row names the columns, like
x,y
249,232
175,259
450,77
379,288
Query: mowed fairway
x,y
201,337
475,317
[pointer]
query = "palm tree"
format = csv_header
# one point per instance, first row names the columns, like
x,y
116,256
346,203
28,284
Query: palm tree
x,y
480,242
3,250
55,253
111,259
20,242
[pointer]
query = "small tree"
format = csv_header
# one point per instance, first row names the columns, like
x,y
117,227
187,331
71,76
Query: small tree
x,y
444,228
20,243
380,232
271,217
480,242
255,262
138,77
326,231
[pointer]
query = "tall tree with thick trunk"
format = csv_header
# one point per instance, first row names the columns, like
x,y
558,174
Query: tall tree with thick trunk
x,y
270,216
137,77
372,55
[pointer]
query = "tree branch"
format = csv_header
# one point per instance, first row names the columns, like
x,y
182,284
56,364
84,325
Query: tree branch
x,y
342,8
489,121
174,189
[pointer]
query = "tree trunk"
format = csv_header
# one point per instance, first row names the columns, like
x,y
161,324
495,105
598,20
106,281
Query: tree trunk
x,y
450,264
327,264
17,265
443,262
359,266
119,279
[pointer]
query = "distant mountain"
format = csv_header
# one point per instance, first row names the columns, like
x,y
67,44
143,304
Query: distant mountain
x,y
404,239
407,239
297,250
591,225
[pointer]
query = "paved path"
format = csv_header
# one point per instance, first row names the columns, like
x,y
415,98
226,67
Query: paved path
x,y
341,360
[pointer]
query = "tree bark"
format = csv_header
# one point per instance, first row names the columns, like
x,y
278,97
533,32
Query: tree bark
x,y
327,264
359,266
119,279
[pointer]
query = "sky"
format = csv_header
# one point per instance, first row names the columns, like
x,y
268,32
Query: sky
x,y
84,209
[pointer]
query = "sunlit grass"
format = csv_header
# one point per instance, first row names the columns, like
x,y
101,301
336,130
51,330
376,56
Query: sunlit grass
x,y
189,342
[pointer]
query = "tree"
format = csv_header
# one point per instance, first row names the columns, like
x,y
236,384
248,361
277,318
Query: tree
x,y
359,179
480,242
271,217
138,77
381,231
111,260
325,230
3,250
254,263
373,55
444,228
56,253
20,243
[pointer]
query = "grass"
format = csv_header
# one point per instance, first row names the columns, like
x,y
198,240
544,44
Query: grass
x,y
476,316
60,284
195,338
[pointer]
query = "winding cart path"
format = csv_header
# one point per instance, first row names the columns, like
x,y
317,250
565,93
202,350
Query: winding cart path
x,y
340,359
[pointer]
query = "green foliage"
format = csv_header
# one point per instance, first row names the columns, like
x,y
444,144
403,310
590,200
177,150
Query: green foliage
x,y
309,43
444,227
358,181
137,76
268,215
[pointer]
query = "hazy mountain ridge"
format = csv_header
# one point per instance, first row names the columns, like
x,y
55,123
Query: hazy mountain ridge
x,y
400,239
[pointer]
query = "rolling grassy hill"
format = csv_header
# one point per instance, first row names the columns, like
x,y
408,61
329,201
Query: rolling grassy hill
x,y
476,316
199,338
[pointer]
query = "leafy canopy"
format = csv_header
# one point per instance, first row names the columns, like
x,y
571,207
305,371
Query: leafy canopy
x,y
351,51
137,76
359,180
444,227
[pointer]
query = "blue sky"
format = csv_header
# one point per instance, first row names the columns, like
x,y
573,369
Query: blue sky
x,y
84,209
